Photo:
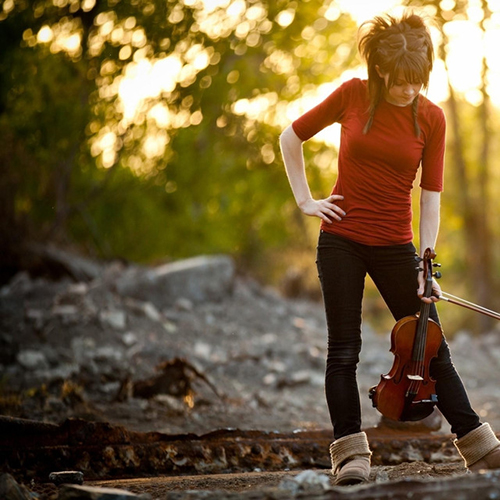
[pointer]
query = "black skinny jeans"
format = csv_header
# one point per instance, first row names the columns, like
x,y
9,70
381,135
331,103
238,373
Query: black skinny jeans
x,y
342,268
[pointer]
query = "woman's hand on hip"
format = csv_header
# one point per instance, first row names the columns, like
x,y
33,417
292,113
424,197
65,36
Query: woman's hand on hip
x,y
325,209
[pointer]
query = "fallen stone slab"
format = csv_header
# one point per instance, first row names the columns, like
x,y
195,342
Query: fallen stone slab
x,y
100,450
199,279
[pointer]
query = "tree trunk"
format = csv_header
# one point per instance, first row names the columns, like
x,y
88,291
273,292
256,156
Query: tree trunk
x,y
473,196
485,283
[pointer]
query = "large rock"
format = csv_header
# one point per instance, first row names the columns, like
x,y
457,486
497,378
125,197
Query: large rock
x,y
199,279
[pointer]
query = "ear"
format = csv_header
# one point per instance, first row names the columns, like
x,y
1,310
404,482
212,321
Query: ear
x,y
377,67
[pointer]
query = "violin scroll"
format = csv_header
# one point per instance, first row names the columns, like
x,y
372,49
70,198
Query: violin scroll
x,y
427,259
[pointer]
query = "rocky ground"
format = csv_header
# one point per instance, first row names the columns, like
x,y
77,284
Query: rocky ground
x,y
243,356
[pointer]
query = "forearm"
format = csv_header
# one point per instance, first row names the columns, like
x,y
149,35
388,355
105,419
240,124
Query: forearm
x,y
326,209
429,219
293,158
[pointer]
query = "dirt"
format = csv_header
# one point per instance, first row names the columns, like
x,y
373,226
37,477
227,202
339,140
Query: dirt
x,y
252,481
263,354
254,360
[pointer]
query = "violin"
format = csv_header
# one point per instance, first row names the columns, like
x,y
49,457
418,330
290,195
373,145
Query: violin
x,y
408,392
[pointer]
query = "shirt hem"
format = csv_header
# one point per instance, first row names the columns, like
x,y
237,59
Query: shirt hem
x,y
374,242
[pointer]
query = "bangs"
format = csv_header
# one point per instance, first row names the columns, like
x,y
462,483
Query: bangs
x,y
414,68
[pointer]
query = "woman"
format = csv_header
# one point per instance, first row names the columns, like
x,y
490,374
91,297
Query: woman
x,y
388,131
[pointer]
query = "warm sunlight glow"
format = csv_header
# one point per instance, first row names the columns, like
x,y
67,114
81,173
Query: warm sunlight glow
x,y
260,108
45,35
362,10
104,145
7,6
145,85
88,5
161,115
146,79
285,17
70,44
154,145
64,36
463,61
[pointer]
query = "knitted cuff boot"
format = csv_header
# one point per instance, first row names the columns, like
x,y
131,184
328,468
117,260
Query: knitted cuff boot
x,y
351,459
480,449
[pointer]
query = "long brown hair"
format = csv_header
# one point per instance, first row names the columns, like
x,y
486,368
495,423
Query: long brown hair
x,y
395,45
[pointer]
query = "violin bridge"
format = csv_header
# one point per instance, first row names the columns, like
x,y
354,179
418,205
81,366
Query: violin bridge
x,y
417,378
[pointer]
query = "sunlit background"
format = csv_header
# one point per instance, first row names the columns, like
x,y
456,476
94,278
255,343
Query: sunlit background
x,y
145,78
149,130
136,133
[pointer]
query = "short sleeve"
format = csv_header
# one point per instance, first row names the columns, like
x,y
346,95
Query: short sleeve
x,y
324,114
433,155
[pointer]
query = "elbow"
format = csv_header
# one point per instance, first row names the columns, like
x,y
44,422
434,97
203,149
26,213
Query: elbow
x,y
282,139
285,134
289,137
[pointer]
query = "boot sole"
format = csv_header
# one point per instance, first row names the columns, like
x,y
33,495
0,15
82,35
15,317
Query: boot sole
x,y
350,480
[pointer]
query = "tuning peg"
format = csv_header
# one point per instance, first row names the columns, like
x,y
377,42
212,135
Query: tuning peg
x,y
436,264
437,275
419,269
418,259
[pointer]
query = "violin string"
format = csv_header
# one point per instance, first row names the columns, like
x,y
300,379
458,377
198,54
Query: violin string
x,y
422,332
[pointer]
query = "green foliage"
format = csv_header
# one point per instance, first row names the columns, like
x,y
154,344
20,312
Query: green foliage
x,y
77,168
193,166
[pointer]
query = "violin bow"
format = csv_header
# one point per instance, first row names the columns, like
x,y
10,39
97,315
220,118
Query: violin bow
x,y
469,305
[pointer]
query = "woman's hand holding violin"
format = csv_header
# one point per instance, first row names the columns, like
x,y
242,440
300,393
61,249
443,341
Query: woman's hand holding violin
x,y
436,289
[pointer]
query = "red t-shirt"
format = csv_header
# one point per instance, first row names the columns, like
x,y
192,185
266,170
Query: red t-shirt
x,y
376,170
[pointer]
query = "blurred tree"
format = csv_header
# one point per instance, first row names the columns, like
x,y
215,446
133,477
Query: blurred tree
x,y
149,129
471,136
